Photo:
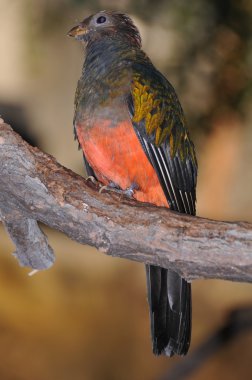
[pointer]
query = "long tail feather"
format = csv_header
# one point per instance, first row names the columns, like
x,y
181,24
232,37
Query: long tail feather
x,y
169,297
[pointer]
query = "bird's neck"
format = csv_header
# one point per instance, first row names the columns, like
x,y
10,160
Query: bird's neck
x,y
107,72
107,56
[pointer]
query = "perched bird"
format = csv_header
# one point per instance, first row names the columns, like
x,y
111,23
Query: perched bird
x,y
131,129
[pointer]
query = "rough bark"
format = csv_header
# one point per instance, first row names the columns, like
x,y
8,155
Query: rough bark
x,y
34,187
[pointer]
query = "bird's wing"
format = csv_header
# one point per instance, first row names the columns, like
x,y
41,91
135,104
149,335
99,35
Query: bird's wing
x,y
159,123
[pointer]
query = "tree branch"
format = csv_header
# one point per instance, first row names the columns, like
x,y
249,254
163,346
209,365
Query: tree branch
x,y
34,187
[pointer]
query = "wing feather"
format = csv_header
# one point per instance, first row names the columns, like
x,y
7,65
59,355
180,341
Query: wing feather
x,y
160,127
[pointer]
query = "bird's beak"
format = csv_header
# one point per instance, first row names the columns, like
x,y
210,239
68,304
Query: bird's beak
x,y
78,31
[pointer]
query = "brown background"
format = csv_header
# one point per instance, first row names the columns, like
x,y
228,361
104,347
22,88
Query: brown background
x,y
87,317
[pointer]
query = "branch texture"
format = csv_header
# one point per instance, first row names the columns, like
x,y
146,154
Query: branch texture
x,y
34,187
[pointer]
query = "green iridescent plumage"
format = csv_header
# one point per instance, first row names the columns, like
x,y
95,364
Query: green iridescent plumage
x,y
158,107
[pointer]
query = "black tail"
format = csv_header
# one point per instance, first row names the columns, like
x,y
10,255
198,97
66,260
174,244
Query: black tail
x,y
169,297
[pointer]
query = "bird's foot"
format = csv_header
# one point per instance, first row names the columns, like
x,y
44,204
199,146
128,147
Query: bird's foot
x,y
92,179
129,192
110,187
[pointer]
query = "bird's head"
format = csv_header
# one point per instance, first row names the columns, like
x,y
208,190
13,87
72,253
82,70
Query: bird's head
x,y
106,24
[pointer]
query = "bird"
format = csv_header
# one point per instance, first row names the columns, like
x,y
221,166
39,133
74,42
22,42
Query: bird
x,y
132,130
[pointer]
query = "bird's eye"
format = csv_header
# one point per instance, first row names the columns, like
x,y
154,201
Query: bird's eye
x,y
101,20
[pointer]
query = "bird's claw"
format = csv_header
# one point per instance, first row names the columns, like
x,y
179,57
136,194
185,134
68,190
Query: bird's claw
x,y
92,179
129,192
110,187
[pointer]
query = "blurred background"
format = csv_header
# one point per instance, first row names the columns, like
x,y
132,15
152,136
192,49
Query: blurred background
x,y
87,317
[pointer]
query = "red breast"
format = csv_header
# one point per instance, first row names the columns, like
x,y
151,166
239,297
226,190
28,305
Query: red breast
x,y
116,155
